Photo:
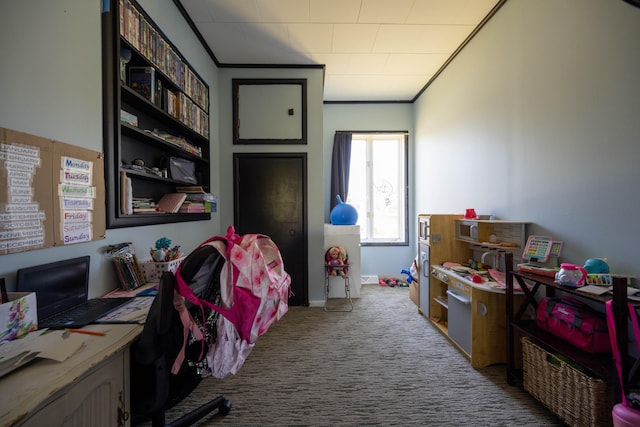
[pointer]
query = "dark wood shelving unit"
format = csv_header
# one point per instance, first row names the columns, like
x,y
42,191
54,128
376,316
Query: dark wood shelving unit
x,y
597,365
124,142
154,141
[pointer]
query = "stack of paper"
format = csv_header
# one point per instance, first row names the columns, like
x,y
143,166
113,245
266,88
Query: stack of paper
x,y
594,289
47,344
135,311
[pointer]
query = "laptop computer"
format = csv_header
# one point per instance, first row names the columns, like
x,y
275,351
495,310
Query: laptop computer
x,y
62,290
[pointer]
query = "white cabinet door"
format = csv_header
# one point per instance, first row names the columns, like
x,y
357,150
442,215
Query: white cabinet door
x,y
93,401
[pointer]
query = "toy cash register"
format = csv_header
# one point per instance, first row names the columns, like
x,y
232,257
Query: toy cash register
x,y
541,254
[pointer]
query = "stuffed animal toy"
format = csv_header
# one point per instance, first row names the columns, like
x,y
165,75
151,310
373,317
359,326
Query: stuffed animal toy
x,y
336,257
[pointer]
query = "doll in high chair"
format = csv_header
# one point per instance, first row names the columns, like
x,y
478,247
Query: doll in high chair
x,y
335,257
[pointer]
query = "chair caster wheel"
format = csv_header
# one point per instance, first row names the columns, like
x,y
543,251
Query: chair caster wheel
x,y
225,407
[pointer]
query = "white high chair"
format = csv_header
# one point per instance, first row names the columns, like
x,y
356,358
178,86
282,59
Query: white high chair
x,y
338,267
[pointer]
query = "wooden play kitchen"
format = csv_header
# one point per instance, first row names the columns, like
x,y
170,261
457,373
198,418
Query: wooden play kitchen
x,y
475,316
472,315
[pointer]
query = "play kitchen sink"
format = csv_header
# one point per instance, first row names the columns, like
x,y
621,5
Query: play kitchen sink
x,y
475,305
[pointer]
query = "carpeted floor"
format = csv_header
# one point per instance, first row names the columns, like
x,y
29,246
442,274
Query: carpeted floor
x,y
381,364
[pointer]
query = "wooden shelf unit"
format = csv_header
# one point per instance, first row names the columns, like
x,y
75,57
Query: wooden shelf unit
x,y
126,25
597,365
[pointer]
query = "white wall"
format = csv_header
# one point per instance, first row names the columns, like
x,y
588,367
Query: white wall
x,y
51,86
313,148
376,260
538,119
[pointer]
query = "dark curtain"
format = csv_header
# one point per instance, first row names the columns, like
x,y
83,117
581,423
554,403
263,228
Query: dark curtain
x,y
340,161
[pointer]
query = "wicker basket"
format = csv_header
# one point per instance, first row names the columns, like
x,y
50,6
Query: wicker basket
x,y
153,270
578,399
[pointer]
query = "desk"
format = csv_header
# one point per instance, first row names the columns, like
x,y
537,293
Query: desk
x,y
89,388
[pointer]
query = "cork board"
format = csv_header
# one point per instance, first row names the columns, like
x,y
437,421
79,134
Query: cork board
x,y
51,193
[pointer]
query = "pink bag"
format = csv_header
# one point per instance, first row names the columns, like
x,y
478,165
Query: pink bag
x,y
254,289
229,351
575,322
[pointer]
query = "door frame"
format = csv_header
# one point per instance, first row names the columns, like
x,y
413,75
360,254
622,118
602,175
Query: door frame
x,y
304,298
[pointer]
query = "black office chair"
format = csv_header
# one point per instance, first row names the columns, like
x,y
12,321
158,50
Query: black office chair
x,y
154,389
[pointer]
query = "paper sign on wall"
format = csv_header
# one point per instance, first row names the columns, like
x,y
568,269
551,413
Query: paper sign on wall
x,y
51,193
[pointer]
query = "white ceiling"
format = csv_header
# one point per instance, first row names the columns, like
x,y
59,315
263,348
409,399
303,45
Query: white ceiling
x,y
372,50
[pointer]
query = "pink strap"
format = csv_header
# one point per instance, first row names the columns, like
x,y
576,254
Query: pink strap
x,y
183,290
189,326
243,312
635,325
614,342
636,334
614,346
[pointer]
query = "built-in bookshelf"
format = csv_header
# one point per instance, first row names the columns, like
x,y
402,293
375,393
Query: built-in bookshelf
x,y
156,124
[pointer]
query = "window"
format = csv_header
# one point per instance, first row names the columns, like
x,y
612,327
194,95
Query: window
x,y
378,187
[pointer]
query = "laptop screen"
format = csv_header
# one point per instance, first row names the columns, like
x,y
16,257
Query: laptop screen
x,y
58,285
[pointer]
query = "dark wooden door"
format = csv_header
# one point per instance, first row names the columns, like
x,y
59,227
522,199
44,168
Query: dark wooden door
x,y
270,198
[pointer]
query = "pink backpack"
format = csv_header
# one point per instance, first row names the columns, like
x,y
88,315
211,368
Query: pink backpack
x,y
253,293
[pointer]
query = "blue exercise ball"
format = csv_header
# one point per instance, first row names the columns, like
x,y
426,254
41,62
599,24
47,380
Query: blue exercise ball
x,y
343,213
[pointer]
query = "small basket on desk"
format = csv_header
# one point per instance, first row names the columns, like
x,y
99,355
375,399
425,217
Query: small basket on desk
x,y
153,270
575,397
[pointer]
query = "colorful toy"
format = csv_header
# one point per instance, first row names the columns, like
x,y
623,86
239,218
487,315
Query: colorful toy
x,y
163,252
410,277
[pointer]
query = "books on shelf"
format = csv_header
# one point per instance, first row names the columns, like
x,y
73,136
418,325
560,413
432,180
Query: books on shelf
x,y
178,141
143,81
128,118
140,33
171,202
192,115
170,103
192,207
141,205
147,211
190,189
195,88
197,199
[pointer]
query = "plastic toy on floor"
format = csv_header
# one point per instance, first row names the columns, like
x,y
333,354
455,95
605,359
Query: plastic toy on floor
x,y
389,281
411,272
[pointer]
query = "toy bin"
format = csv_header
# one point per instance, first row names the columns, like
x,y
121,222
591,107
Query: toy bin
x,y
575,397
